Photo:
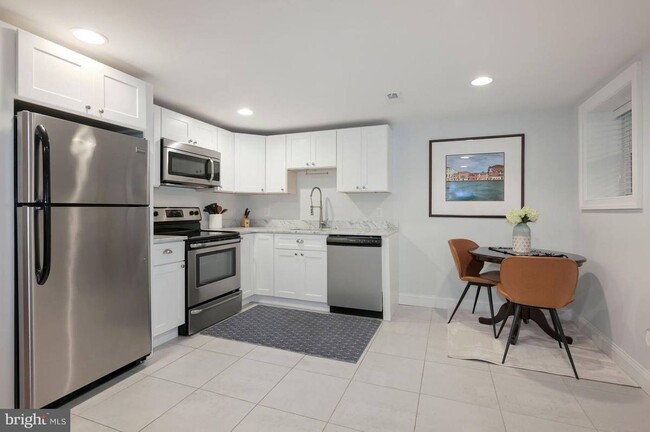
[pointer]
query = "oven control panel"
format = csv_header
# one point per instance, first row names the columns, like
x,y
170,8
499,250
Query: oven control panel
x,y
172,214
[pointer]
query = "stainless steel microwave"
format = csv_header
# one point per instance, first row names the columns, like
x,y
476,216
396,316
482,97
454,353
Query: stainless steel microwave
x,y
189,165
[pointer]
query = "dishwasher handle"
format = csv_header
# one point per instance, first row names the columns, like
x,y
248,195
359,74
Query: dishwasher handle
x,y
354,240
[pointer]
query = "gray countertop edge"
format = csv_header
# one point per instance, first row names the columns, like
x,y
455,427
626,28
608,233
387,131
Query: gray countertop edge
x,y
276,230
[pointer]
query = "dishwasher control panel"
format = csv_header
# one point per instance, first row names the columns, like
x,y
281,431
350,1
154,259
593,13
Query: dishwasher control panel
x,y
354,240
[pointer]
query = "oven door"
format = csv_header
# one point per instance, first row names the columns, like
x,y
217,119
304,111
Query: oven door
x,y
213,270
189,168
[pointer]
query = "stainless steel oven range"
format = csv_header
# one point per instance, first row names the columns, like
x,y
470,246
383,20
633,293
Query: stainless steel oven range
x,y
212,258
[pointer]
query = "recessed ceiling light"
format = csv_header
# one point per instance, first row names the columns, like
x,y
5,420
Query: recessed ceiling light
x,y
465,157
245,111
89,36
481,81
463,166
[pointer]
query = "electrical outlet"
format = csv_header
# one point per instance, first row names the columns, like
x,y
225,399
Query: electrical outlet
x,y
647,337
379,212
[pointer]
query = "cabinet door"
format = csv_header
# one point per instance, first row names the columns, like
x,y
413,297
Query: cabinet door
x,y
53,75
323,149
250,163
167,297
226,146
315,282
375,161
299,151
175,126
246,266
263,262
119,97
348,160
203,135
276,164
289,274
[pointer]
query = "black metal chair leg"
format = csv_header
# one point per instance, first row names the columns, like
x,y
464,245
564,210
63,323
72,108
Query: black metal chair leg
x,y
494,325
460,301
505,319
515,322
566,345
559,342
478,291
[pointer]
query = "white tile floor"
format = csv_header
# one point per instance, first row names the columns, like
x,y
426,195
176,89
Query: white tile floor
x,y
404,382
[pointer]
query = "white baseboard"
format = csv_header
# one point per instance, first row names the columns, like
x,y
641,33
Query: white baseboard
x,y
630,366
298,304
165,337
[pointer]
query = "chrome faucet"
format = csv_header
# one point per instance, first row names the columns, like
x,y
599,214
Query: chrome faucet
x,y
321,223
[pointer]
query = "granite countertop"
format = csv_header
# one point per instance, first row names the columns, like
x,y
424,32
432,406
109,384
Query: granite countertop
x,y
158,239
308,227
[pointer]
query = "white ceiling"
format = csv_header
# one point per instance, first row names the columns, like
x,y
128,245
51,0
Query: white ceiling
x,y
303,64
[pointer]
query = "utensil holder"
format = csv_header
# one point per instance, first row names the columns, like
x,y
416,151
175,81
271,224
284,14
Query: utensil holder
x,y
245,222
215,221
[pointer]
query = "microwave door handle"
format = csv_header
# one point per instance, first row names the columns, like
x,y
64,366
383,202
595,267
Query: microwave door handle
x,y
211,169
43,271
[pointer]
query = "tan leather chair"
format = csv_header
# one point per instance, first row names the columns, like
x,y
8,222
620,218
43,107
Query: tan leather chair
x,y
469,270
544,283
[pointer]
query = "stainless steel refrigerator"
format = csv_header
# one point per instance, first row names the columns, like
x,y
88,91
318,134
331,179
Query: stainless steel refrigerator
x,y
82,245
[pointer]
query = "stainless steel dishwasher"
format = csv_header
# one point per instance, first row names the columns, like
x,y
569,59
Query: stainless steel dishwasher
x,y
354,275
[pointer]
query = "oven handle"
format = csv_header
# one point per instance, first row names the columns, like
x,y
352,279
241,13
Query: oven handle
x,y
212,245
198,311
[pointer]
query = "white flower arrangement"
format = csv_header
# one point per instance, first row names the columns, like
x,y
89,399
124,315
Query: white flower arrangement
x,y
523,215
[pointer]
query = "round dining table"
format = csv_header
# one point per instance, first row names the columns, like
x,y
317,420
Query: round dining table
x,y
496,255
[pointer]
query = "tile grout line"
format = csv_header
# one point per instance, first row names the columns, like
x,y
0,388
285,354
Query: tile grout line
x,y
424,365
503,420
92,421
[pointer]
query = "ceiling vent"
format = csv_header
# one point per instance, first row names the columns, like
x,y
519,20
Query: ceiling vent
x,y
393,97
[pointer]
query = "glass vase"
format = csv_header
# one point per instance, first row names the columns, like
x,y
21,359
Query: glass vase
x,y
521,239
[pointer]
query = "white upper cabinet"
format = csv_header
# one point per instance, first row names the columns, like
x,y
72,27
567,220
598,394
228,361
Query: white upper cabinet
x,y
323,149
311,150
276,164
363,159
250,163
120,97
179,127
226,146
56,76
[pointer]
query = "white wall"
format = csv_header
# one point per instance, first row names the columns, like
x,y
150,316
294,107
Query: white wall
x,y
613,294
7,83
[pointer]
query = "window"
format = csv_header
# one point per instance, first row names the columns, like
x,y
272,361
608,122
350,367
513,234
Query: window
x,y
610,170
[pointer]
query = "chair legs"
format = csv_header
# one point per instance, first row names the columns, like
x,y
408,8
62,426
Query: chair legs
x,y
478,291
494,325
515,322
559,342
558,323
460,301
503,323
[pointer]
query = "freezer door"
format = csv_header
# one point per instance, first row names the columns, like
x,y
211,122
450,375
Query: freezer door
x,y
86,165
92,314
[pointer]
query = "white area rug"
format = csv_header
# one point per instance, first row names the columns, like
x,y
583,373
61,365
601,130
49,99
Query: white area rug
x,y
535,350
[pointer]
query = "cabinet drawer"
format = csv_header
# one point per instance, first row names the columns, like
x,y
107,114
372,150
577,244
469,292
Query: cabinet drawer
x,y
301,242
166,253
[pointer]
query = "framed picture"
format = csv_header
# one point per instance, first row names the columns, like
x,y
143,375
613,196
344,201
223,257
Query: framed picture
x,y
476,177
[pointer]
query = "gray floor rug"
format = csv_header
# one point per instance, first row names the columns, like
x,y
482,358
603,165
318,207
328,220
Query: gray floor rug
x,y
468,339
332,336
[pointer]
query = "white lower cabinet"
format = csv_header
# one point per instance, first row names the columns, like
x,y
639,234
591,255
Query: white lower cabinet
x,y
301,275
167,296
263,264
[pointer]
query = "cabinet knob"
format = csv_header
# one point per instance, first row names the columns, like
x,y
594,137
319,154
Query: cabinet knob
x,y
364,187
168,251
307,164
296,253
302,254
262,189
101,110
88,107
182,265
313,163
357,187
282,189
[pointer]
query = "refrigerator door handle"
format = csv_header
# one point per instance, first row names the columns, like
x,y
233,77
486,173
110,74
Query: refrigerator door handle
x,y
43,271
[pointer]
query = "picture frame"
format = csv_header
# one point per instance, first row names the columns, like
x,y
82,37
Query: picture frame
x,y
476,177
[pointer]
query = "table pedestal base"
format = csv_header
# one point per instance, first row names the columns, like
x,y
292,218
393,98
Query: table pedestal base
x,y
527,314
